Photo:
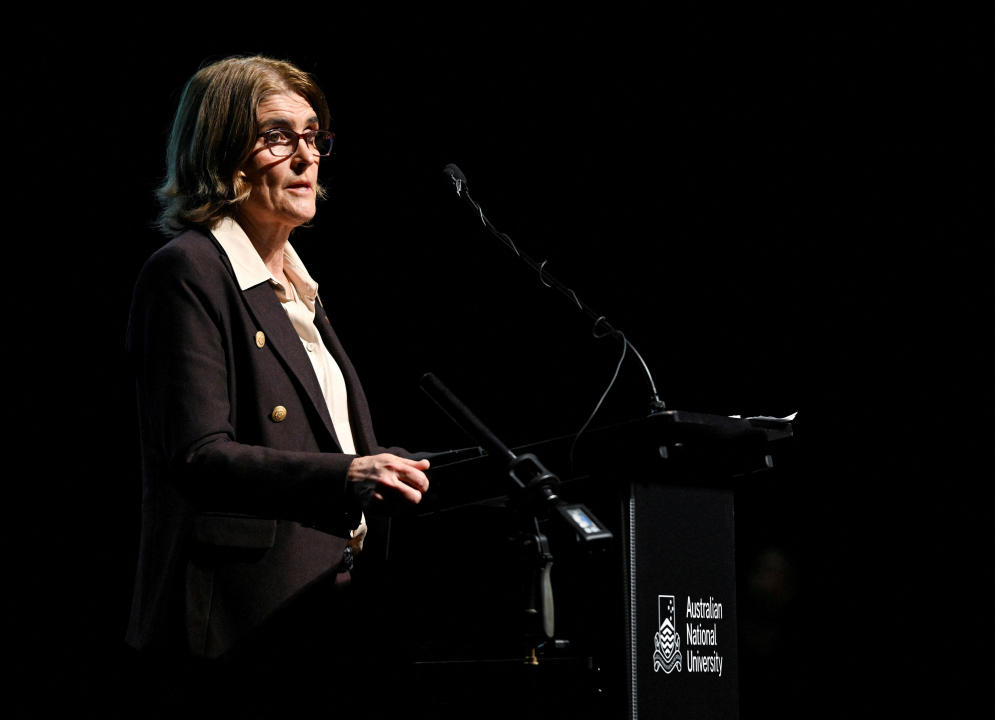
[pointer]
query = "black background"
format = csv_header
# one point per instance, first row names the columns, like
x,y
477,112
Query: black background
x,y
784,209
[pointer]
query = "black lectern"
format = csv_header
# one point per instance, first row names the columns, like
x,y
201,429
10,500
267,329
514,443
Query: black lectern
x,y
645,625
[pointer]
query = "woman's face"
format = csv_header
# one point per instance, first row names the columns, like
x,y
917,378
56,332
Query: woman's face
x,y
283,189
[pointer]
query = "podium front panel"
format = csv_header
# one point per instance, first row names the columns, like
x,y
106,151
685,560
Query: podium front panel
x,y
681,614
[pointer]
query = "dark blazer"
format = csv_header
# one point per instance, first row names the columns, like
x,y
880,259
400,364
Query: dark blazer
x,y
245,500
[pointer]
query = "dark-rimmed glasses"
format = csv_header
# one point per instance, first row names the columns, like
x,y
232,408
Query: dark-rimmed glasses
x,y
283,143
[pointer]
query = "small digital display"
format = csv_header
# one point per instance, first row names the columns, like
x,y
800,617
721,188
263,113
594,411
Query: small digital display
x,y
582,520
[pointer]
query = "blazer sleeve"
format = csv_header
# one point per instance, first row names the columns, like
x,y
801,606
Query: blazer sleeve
x,y
185,357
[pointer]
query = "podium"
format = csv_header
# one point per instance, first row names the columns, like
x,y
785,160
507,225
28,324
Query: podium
x,y
642,625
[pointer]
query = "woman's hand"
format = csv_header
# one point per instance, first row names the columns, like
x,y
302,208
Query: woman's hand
x,y
394,481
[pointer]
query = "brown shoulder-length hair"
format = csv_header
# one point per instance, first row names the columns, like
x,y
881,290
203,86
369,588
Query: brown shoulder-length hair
x,y
214,131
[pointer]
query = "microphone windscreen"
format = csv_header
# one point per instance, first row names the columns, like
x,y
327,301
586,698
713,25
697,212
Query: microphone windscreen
x,y
455,173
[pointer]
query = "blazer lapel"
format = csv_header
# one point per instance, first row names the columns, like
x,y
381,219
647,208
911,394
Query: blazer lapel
x,y
283,338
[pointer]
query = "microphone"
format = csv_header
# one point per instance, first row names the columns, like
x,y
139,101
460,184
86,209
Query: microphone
x,y
454,172
457,176
602,328
530,482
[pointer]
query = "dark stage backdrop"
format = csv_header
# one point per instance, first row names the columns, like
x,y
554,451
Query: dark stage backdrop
x,y
784,210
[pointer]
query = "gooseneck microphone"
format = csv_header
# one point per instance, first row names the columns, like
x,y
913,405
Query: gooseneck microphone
x,y
601,328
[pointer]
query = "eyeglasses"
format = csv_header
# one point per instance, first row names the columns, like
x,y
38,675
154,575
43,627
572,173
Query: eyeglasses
x,y
283,143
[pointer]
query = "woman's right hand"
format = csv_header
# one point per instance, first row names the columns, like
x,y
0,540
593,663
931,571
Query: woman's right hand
x,y
394,480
